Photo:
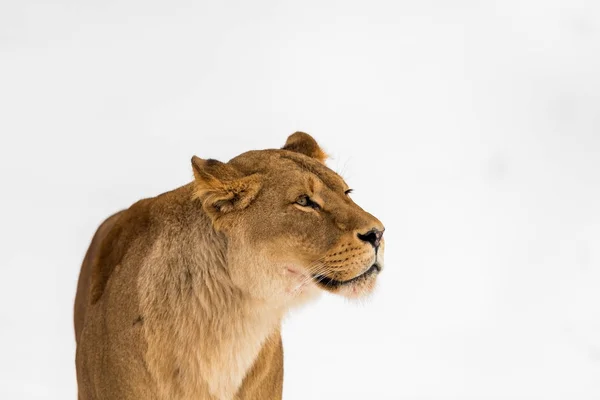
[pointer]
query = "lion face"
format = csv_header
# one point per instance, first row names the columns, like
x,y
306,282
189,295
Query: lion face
x,y
291,225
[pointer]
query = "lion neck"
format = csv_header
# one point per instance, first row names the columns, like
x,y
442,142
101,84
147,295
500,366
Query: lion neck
x,y
203,332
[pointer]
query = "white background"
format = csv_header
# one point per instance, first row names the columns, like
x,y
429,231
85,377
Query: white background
x,y
470,128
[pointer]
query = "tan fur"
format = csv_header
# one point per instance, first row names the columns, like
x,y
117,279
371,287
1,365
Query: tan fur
x,y
181,296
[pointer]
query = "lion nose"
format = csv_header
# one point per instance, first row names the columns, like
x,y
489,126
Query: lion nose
x,y
373,237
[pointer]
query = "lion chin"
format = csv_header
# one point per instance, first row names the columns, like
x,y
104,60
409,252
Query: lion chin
x,y
182,295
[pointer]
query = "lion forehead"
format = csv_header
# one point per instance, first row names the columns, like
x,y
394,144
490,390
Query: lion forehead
x,y
296,167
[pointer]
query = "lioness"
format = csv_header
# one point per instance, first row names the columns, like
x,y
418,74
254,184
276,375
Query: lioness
x,y
181,296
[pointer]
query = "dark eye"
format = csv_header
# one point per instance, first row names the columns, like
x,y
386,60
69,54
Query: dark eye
x,y
305,201
347,192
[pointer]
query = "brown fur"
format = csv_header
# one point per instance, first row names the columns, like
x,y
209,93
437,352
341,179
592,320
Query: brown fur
x,y
181,296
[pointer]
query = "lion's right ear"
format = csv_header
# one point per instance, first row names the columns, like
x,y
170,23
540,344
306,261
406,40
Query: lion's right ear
x,y
221,188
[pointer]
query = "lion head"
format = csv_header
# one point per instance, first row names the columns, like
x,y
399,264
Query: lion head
x,y
290,223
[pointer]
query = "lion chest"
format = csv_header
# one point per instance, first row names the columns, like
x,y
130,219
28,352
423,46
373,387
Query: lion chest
x,y
201,365
193,357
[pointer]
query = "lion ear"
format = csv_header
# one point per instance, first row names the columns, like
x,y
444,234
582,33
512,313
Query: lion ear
x,y
221,188
303,143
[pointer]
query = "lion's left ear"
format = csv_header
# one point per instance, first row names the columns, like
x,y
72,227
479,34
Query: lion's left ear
x,y
303,143
221,188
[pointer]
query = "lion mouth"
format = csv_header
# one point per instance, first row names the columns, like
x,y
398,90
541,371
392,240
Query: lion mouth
x,y
333,283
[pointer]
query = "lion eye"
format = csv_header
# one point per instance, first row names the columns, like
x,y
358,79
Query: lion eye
x,y
347,192
305,201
